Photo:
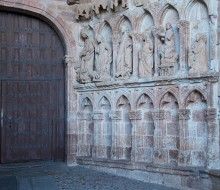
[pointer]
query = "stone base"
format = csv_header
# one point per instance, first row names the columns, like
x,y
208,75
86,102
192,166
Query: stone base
x,y
184,178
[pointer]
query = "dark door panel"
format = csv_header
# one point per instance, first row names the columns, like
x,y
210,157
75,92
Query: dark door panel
x,y
32,90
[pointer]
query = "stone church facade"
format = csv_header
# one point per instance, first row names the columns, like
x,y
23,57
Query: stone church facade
x,y
142,85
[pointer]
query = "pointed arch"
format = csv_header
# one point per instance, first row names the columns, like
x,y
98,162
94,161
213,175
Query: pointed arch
x,y
194,97
192,5
105,29
169,101
144,102
145,21
104,103
169,14
86,105
123,21
123,103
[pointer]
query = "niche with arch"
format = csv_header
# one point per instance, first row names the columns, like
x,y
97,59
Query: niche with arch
x,y
199,52
124,58
143,131
170,128
104,53
171,15
103,131
122,131
197,138
85,129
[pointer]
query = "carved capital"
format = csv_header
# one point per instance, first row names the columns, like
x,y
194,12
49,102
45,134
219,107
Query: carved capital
x,y
211,114
68,60
183,114
135,115
98,116
84,116
183,25
158,115
117,115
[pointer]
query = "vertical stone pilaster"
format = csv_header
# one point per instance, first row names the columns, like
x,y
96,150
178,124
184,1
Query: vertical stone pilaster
x,y
115,41
213,139
183,26
135,55
183,135
158,117
71,135
136,118
85,135
116,118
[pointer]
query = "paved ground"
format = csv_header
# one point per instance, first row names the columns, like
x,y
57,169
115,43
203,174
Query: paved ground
x,y
57,176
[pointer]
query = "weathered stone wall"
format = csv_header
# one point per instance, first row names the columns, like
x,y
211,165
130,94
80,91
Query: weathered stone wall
x,y
147,88
142,85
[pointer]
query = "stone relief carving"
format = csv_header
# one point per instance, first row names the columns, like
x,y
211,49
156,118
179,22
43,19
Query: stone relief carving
x,y
168,54
146,56
198,55
125,55
103,60
87,58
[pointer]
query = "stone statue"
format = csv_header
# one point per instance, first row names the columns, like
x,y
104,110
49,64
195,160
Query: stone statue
x,y
198,55
125,55
168,54
87,58
146,57
103,60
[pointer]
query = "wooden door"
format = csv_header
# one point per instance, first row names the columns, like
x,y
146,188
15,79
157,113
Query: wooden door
x,y
32,90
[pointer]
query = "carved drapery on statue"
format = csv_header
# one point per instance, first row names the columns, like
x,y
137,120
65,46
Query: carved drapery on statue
x,y
168,54
87,58
198,55
103,60
125,55
146,56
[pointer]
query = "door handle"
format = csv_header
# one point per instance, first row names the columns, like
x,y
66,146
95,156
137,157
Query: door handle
x,y
2,118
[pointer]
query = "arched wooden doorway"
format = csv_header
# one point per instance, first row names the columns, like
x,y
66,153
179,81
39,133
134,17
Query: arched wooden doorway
x,y
32,90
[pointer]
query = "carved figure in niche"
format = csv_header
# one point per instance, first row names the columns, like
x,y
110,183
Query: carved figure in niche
x,y
103,60
124,58
196,100
168,54
169,102
146,56
87,58
198,55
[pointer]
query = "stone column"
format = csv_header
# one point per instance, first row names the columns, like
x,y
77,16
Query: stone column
x,y
156,32
102,143
184,31
213,139
85,135
183,136
71,107
158,117
121,135
136,121
116,118
136,48
115,42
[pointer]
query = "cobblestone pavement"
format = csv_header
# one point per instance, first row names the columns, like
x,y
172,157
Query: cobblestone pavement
x,y
57,176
